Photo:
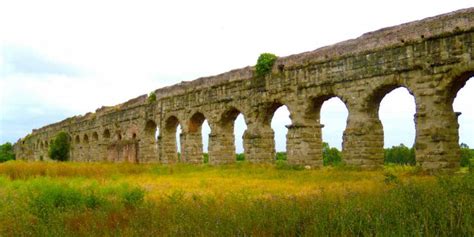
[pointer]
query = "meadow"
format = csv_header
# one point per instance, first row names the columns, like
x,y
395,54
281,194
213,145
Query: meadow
x,y
100,199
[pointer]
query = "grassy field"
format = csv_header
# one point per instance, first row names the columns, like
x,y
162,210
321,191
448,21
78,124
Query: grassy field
x,y
77,199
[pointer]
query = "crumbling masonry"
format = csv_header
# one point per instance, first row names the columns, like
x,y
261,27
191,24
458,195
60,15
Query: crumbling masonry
x,y
432,58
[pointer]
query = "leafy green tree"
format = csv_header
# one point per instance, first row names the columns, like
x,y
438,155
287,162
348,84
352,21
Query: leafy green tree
x,y
400,154
466,155
265,63
6,152
331,155
59,148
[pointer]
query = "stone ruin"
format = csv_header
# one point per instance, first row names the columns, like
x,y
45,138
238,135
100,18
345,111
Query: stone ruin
x,y
432,58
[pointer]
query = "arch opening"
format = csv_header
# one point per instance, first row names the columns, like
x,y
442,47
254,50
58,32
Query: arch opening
x,y
151,131
280,119
118,135
233,122
462,105
86,139
78,140
198,134
396,111
95,136
106,134
332,116
170,137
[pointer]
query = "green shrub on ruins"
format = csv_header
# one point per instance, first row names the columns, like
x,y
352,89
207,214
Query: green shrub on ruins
x,y
265,63
59,148
151,97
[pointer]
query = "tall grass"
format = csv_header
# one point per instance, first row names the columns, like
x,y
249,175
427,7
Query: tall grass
x,y
59,199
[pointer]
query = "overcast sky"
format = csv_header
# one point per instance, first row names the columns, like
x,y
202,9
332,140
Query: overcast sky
x,y
64,58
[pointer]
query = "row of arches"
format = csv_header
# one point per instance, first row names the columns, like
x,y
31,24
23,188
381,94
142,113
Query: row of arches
x,y
262,130
395,105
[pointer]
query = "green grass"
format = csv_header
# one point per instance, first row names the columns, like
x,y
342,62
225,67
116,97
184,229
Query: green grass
x,y
73,199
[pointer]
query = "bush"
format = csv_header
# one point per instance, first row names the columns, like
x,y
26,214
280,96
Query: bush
x,y
280,156
59,148
240,157
205,158
265,63
331,155
151,97
6,152
133,197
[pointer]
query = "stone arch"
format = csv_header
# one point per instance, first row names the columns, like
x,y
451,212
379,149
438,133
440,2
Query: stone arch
x,y
149,142
95,136
192,150
451,119
311,130
106,134
456,84
222,140
168,146
86,139
259,141
363,142
118,135
372,101
77,140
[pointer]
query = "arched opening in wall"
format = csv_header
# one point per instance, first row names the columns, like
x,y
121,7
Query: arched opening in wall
x,y
95,136
239,129
198,131
462,100
46,144
151,130
205,131
118,135
106,134
170,140
233,126
178,133
332,116
396,111
78,140
86,139
280,119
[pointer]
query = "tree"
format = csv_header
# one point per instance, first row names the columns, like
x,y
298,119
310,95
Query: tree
x,y
331,155
6,152
59,148
400,155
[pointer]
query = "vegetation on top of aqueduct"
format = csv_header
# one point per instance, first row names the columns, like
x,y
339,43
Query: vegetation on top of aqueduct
x,y
265,63
81,199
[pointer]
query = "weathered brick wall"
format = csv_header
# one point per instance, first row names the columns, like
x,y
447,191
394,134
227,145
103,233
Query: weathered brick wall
x,y
432,58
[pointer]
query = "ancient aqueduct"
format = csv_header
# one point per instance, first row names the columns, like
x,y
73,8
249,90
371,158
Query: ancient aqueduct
x,y
432,58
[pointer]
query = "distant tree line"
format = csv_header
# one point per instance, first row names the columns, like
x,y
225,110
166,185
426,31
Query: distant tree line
x,y
400,154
